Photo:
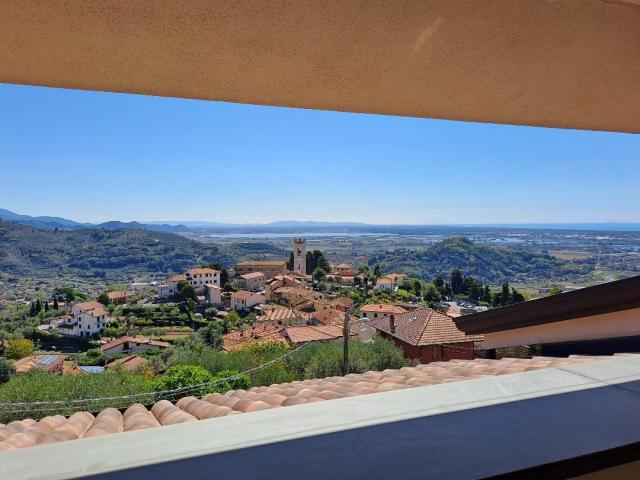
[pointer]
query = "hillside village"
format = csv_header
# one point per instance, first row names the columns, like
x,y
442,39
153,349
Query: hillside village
x,y
290,301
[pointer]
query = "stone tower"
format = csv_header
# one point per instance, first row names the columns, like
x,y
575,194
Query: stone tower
x,y
299,255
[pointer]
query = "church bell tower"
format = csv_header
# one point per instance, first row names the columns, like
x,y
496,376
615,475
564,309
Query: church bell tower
x,y
300,255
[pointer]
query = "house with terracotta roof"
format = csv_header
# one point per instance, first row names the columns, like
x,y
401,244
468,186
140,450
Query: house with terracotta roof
x,y
384,284
199,277
390,282
427,335
196,277
244,300
342,303
279,281
373,311
86,319
49,363
129,363
132,344
281,315
170,286
317,333
119,296
296,297
254,282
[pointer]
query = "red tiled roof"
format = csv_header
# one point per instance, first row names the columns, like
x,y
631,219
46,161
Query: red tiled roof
x,y
383,308
278,314
242,294
314,334
424,326
202,271
259,333
33,362
250,276
344,302
118,294
29,432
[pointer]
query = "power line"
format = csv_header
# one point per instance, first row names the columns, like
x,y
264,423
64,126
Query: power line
x,y
171,392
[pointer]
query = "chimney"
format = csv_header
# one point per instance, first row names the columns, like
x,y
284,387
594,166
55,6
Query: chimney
x,y
392,324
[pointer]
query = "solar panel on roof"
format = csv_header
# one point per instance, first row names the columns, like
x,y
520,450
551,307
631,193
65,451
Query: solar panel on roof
x,y
48,360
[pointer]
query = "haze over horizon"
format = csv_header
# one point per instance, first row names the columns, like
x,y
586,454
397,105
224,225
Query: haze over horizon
x,y
95,157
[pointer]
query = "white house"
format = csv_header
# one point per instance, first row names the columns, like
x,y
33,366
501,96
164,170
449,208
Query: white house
x,y
87,319
244,300
197,277
384,285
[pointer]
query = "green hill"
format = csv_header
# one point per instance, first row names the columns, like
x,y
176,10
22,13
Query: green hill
x,y
90,252
488,263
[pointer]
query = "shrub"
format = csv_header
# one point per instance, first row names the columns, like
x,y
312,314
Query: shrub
x,y
182,376
19,348
7,371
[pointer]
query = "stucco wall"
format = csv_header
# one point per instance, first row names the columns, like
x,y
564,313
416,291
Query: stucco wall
x,y
609,325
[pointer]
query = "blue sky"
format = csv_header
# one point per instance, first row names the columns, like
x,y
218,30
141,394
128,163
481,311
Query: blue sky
x,y
100,156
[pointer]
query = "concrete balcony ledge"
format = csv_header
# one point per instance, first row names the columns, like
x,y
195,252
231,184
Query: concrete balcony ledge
x,y
462,430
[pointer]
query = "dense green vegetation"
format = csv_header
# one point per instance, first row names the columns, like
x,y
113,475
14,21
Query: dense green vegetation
x,y
491,264
191,362
98,253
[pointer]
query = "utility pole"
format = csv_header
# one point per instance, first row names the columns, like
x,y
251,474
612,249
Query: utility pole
x,y
345,349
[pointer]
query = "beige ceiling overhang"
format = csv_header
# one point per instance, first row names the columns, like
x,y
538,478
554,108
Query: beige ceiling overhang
x,y
554,63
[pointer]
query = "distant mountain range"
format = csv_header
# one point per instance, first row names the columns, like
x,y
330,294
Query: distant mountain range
x,y
100,252
52,223
293,226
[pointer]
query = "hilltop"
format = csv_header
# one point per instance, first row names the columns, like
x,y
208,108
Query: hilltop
x,y
492,264
91,252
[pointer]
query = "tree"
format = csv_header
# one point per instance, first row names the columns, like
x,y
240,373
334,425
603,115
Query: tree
x,y
376,271
486,294
46,306
104,299
290,262
315,259
212,334
504,294
56,305
182,376
7,370
554,291
19,348
457,282
417,287
438,282
431,293
319,274
516,296
186,290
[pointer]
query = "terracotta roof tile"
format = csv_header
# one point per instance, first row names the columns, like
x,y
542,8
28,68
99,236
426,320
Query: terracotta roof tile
x,y
424,326
29,432
202,271
313,334
382,308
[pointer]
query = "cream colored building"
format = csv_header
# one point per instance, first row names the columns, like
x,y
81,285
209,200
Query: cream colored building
x,y
270,268
244,300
